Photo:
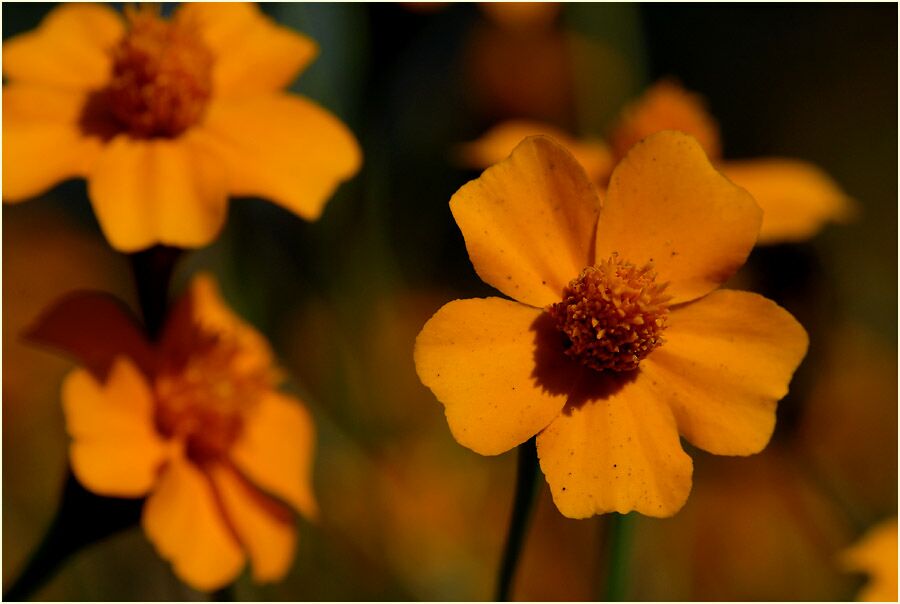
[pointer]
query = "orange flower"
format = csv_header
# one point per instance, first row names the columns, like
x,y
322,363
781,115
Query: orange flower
x,y
165,119
797,198
195,424
876,555
616,341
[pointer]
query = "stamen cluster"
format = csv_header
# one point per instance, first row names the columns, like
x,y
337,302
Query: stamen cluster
x,y
613,315
161,76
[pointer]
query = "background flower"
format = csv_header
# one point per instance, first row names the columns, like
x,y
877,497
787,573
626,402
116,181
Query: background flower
x,y
166,118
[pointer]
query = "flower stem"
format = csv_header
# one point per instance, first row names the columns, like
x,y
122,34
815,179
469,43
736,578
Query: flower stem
x,y
526,472
153,269
620,527
81,519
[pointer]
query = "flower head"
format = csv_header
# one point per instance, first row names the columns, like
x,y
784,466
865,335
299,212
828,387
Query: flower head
x,y
166,118
194,423
616,341
797,198
876,555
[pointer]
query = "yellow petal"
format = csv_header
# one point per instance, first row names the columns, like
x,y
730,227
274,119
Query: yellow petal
x,y
665,106
498,368
528,221
797,198
265,528
70,48
876,555
43,141
726,362
116,450
498,142
95,328
275,451
184,522
668,205
158,191
253,54
202,306
283,148
614,448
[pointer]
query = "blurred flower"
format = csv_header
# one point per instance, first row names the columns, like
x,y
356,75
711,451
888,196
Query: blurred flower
x,y
876,555
195,424
608,397
165,119
497,143
521,15
797,198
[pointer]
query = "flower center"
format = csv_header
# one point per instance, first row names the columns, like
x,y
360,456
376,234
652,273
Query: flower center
x,y
204,397
613,315
161,75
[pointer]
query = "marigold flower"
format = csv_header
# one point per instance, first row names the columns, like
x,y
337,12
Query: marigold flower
x,y
797,198
195,424
166,118
638,277
876,555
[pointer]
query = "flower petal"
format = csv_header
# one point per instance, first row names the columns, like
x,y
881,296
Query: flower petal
x,y
275,451
94,328
70,48
284,148
184,522
667,204
145,192
116,450
264,527
202,306
528,221
797,198
43,140
498,368
253,53
726,362
666,106
498,142
876,555
614,448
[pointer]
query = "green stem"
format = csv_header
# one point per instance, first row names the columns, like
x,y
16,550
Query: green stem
x,y
526,473
620,530
81,519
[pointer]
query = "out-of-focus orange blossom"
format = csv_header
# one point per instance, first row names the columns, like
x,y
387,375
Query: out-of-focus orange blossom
x,y
167,118
193,423
876,555
797,198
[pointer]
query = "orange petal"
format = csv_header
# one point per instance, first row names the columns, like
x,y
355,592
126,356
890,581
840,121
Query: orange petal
x,y
876,555
528,221
70,48
116,450
665,106
498,142
94,328
265,528
499,369
275,451
43,142
668,205
253,53
163,191
184,522
202,306
284,148
797,198
726,362
614,448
